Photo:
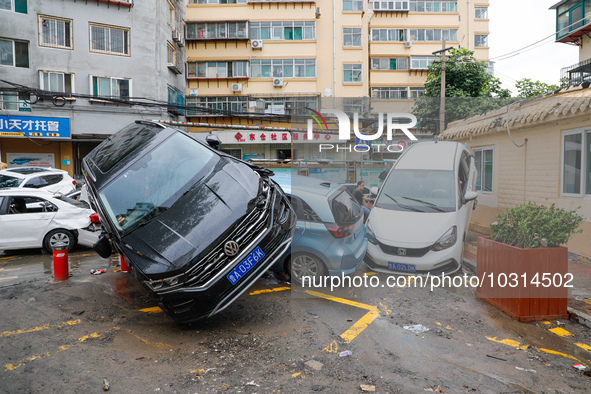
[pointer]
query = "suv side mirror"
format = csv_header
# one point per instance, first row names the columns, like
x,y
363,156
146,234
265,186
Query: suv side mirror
x,y
213,141
103,246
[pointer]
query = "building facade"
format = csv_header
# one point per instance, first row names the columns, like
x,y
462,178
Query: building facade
x,y
248,60
74,72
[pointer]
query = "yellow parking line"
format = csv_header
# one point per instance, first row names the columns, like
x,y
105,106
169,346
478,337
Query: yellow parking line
x,y
8,278
583,346
84,338
508,342
561,354
40,328
341,300
154,309
269,290
561,332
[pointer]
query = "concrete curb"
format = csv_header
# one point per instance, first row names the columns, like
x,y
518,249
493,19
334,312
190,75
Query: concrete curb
x,y
581,317
469,265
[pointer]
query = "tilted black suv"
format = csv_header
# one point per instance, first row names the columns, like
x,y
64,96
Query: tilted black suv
x,y
197,226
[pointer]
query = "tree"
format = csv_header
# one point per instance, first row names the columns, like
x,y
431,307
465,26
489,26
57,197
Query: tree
x,y
469,89
528,88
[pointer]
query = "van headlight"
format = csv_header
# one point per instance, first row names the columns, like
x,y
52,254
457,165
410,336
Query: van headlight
x,y
371,237
447,240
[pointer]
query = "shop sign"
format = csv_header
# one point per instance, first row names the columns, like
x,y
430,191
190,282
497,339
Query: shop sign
x,y
30,159
34,126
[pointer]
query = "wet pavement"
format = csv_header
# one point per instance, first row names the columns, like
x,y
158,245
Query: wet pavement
x,y
70,336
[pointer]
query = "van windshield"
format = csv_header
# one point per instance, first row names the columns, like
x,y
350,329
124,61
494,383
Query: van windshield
x,y
151,185
418,191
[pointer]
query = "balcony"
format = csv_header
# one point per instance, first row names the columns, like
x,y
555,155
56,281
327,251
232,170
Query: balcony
x,y
577,73
573,20
234,30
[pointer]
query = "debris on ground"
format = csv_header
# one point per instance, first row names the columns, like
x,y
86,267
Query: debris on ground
x,y
580,367
436,389
97,272
495,357
416,328
252,383
345,353
106,385
525,370
314,365
368,388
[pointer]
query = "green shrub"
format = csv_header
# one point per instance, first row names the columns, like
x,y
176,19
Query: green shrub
x,y
535,226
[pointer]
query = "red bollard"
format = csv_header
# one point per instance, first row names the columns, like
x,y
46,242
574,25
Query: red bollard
x,y
124,266
61,268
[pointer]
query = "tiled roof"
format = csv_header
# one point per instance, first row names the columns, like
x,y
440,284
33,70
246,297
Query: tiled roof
x,y
550,107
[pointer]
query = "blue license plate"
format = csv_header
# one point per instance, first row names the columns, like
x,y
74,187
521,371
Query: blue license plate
x,y
402,267
245,265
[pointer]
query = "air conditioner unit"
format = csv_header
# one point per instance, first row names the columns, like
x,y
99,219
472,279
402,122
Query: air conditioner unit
x,y
176,36
193,92
318,13
237,87
181,43
277,82
407,44
256,44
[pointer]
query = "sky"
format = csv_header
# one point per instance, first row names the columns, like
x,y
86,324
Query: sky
x,y
515,24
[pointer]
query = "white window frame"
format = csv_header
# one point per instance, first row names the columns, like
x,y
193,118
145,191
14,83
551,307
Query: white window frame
x,y
111,85
42,81
476,40
352,67
390,92
480,173
13,103
171,12
414,59
353,31
170,53
67,31
12,7
353,2
585,133
13,50
389,5
108,28
483,11
388,33
388,60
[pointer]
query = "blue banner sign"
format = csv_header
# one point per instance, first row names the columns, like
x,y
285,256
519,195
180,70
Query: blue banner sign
x,y
34,126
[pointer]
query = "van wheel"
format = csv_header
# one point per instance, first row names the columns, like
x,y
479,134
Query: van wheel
x,y
304,264
59,236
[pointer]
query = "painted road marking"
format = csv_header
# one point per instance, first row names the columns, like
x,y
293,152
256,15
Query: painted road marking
x,y
518,345
360,324
508,342
269,290
561,354
84,338
154,309
8,278
583,346
40,328
561,332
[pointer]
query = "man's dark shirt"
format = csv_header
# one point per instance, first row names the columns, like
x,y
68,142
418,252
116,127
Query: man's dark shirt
x,y
358,194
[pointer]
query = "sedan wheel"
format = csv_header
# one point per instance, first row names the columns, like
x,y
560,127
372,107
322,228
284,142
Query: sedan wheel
x,y
57,237
306,265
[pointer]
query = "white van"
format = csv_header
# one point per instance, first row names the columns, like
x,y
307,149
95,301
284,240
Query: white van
x,y
422,212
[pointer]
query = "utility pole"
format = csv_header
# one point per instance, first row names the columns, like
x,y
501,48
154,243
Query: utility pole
x,y
442,100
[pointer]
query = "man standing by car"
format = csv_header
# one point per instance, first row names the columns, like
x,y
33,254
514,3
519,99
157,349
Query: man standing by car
x,y
358,194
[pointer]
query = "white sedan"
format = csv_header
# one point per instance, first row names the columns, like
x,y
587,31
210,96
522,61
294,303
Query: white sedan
x,y
38,219
49,179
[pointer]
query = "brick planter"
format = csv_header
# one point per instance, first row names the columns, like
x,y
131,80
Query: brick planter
x,y
526,301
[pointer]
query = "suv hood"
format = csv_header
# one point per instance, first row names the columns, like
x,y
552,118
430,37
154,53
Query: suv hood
x,y
189,228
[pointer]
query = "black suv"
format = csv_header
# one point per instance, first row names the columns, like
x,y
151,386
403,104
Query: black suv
x,y
197,226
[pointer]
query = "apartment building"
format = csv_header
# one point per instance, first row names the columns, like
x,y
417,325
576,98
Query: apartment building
x,y
77,71
248,60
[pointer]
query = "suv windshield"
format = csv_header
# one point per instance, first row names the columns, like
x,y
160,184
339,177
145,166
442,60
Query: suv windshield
x,y
418,191
9,181
151,185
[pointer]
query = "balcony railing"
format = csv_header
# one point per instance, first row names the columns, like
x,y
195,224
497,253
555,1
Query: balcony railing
x,y
577,73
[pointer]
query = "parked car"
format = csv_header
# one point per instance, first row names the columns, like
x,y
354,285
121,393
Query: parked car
x,y
32,218
197,226
422,211
330,236
49,179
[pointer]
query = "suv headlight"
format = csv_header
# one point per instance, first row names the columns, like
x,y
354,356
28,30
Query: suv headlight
x,y
371,237
447,240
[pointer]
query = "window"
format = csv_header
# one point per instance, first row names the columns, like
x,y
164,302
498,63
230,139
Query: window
x,y
352,73
433,6
176,101
421,62
55,32
216,1
42,181
389,63
576,162
352,37
216,30
110,40
14,53
289,31
283,68
283,105
111,87
56,81
571,15
481,12
433,34
480,40
170,55
378,5
237,69
415,93
388,34
216,104
390,93
19,6
352,5
9,101
484,165
171,16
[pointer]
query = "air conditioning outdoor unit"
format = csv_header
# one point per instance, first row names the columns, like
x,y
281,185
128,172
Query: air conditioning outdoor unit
x,y
407,44
237,87
277,82
256,44
176,36
181,43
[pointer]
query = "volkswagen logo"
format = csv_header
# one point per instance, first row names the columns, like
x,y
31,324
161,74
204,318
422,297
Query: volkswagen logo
x,y
231,248
401,252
